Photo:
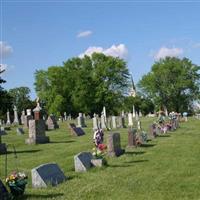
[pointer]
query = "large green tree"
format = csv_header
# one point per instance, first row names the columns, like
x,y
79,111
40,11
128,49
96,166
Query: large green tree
x,y
83,84
21,98
172,83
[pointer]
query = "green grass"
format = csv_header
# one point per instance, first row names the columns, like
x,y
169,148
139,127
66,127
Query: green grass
x,y
168,168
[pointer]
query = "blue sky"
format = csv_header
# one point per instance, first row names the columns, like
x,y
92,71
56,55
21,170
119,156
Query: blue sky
x,y
39,34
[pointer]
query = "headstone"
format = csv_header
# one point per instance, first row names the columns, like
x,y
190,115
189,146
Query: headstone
x,y
132,137
113,145
130,119
8,118
65,116
4,195
139,127
23,117
20,131
82,161
121,122
69,117
133,111
51,123
2,131
77,131
28,112
104,112
37,132
26,120
114,123
103,121
81,120
153,130
47,175
16,120
99,162
3,148
95,122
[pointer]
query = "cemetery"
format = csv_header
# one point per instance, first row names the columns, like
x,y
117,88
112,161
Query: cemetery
x,y
162,164
99,100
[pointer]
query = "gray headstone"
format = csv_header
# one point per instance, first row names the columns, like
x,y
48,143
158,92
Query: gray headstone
x,y
113,145
26,120
82,161
81,120
132,137
114,123
2,131
4,195
51,123
103,121
130,119
77,131
95,122
3,148
47,175
8,118
22,117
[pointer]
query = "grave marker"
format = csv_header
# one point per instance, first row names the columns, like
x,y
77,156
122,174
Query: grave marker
x,y
47,174
82,161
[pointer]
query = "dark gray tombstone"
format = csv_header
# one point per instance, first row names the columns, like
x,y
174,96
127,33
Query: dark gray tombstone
x,y
51,123
77,131
47,175
113,144
20,131
3,148
82,161
132,137
4,195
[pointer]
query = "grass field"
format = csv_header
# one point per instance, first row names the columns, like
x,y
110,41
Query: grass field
x,y
167,168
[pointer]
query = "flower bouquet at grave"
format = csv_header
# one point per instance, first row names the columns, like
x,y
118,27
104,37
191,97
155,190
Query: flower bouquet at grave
x,y
143,136
99,151
17,182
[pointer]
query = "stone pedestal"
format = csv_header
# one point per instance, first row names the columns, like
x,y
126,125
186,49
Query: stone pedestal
x,y
98,162
26,120
37,132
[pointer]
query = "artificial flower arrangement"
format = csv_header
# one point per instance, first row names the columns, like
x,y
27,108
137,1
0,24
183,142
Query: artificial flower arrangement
x,y
99,151
17,182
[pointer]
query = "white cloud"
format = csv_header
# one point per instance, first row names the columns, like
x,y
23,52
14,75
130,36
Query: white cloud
x,y
5,49
115,50
168,52
84,34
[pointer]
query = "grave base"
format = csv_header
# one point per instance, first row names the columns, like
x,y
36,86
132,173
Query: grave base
x,y
38,140
98,162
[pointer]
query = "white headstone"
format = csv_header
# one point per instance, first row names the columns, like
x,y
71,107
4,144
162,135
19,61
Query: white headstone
x,y
130,119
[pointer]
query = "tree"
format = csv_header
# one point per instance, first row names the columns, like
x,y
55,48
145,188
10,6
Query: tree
x,y
172,83
83,84
20,98
5,98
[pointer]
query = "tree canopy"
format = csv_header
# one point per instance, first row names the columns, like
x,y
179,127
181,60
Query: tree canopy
x,y
83,85
172,83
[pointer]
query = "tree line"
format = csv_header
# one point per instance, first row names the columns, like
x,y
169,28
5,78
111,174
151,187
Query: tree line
x,y
89,83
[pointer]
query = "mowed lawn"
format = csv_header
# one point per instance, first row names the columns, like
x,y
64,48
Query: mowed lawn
x,y
168,167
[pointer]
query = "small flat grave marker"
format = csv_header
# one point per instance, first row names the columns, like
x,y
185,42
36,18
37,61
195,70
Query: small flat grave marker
x,y
82,161
47,174
4,195
77,131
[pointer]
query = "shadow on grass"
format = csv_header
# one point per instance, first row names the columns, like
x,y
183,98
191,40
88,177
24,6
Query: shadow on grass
x,y
164,136
134,153
119,165
24,151
147,145
136,161
40,196
59,142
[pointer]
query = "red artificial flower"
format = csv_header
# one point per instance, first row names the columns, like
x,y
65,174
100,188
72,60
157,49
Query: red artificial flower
x,y
102,147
